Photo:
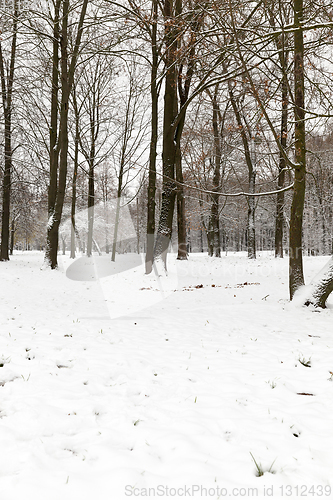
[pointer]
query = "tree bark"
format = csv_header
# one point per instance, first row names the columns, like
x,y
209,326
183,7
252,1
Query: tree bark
x,y
215,216
181,213
279,221
7,82
173,128
251,165
12,236
74,180
116,222
296,277
322,286
91,189
57,186
251,228
151,203
169,189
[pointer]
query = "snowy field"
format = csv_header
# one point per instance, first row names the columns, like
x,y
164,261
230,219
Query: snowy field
x,y
207,384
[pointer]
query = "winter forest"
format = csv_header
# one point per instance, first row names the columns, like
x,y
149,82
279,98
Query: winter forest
x,y
209,121
166,269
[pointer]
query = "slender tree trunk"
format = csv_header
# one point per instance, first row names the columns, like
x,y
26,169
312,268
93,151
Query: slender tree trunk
x,y
52,231
128,129
116,224
250,158
137,227
214,216
12,236
296,277
169,149
279,221
151,203
251,228
181,214
6,190
74,180
184,83
7,93
210,238
91,203
251,232
119,194
54,223
63,133
94,130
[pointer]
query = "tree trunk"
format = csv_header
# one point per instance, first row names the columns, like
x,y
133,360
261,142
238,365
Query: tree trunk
x,y
210,238
116,224
63,142
173,128
74,180
6,190
119,193
215,216
250,158
181,214
7,81
184,83
91,203
282,162
169,190
296,277
52,238
322,286
12,236
151,203
137,227
283,59
251,231
57,184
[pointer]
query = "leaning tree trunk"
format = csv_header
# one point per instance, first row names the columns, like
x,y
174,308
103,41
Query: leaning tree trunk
x,y
296,277
322,286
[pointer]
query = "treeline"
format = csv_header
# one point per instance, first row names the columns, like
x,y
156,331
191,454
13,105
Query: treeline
x,y
209,121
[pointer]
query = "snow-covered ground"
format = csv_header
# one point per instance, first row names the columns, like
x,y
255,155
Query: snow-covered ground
x,y
127,386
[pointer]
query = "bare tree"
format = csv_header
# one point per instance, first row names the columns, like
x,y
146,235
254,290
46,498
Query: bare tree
x,y
7,69
59,141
